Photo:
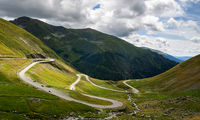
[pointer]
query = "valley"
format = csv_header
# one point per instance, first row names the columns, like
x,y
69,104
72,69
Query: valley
x,y
40,81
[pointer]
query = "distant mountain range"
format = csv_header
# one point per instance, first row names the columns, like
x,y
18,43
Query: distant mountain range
x,y
184,58
170,57
97,54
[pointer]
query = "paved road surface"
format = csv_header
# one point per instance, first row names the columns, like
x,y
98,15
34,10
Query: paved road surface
x,y
134,89
62,95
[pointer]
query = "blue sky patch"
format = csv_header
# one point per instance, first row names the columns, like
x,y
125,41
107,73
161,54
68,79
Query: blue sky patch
x,y
141,32
168,36
97,7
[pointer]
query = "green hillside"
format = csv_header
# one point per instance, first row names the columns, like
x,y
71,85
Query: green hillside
x,y
183,77
97,54
16,42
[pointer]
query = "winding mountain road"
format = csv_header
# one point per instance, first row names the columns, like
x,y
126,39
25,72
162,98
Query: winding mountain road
x,y
115,103
72,87
58,93
134,89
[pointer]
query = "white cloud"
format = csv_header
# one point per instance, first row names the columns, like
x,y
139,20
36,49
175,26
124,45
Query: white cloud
x,y
118,18
152,23
164,8
173,23
173,47
130,15
187,29
195,39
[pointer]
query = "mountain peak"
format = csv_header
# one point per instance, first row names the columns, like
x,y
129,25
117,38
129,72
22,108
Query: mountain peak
x,y
24,18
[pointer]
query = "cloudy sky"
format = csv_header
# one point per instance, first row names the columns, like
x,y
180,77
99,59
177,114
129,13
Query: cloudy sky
x,y
172,26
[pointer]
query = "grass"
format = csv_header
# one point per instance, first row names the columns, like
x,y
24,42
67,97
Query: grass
x,y
81,97
51,76
162,105
6,51
60,77
15,41
15,97
11,116
107,84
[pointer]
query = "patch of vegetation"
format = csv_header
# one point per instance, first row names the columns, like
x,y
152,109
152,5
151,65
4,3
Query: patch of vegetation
x,y
161,105
51,76
107,83
78,96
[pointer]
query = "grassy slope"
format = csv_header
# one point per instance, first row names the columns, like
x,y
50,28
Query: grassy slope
x,y
97,54
107,83
51,76
16,42
60,78
16,103
183,77
174,94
